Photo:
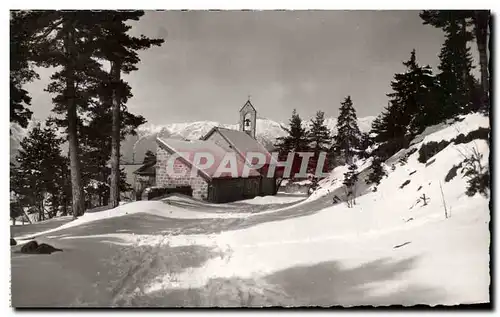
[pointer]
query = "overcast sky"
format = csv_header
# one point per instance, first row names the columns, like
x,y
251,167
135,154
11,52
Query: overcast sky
x,y
309,60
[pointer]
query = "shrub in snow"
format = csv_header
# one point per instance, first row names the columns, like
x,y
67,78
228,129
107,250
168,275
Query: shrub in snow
x,y
430,162
452,173
314,185
478,176
403,160
336,199
478,183
391,147
481,133
424,199
430,149
404,184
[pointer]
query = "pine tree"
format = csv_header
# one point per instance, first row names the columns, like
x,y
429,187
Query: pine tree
x,y
149,157
389,125
319,139
15,208
364,145
62,180
35,175
120,49
348,138
66,40
377,171
350,180
351,176
295,141
457,84
479,19
95,141
21,71
413,97
412,107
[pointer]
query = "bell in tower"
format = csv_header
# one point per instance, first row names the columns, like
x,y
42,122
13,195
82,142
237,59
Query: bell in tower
x,y
248,118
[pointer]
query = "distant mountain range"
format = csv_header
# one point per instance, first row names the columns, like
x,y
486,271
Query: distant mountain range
x,y
134,147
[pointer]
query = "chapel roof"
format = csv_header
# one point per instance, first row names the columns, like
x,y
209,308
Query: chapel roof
x,y
187,150
241,142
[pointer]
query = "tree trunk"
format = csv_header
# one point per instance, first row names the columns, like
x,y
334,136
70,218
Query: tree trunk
x,y
76,182
64,207
115,137
26,215
463,24
40,212
481,21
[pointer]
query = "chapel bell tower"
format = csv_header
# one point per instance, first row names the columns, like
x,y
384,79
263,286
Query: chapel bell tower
x,y
248,118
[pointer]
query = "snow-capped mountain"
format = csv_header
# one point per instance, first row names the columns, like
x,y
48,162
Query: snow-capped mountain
x,y
134,147
267,131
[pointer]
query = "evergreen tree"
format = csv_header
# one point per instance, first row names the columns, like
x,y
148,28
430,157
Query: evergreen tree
x,y
348,138
35,175
412,107
74,42
66,40
413,98
350,180
21,71
377,171
149,157
365,143
120,49
95,141
296,141
389,125
479,19
351,176
62,180
319,139
457,85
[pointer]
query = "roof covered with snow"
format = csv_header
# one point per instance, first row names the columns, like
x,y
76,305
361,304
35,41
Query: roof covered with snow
x,y
191,152
241,142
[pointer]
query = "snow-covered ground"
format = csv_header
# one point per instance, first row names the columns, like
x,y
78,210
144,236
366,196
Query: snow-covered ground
x,y
451,254
436,253
266,200
163,208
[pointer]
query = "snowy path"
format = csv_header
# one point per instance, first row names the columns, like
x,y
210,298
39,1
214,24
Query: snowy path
x,y
357,270
168,209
